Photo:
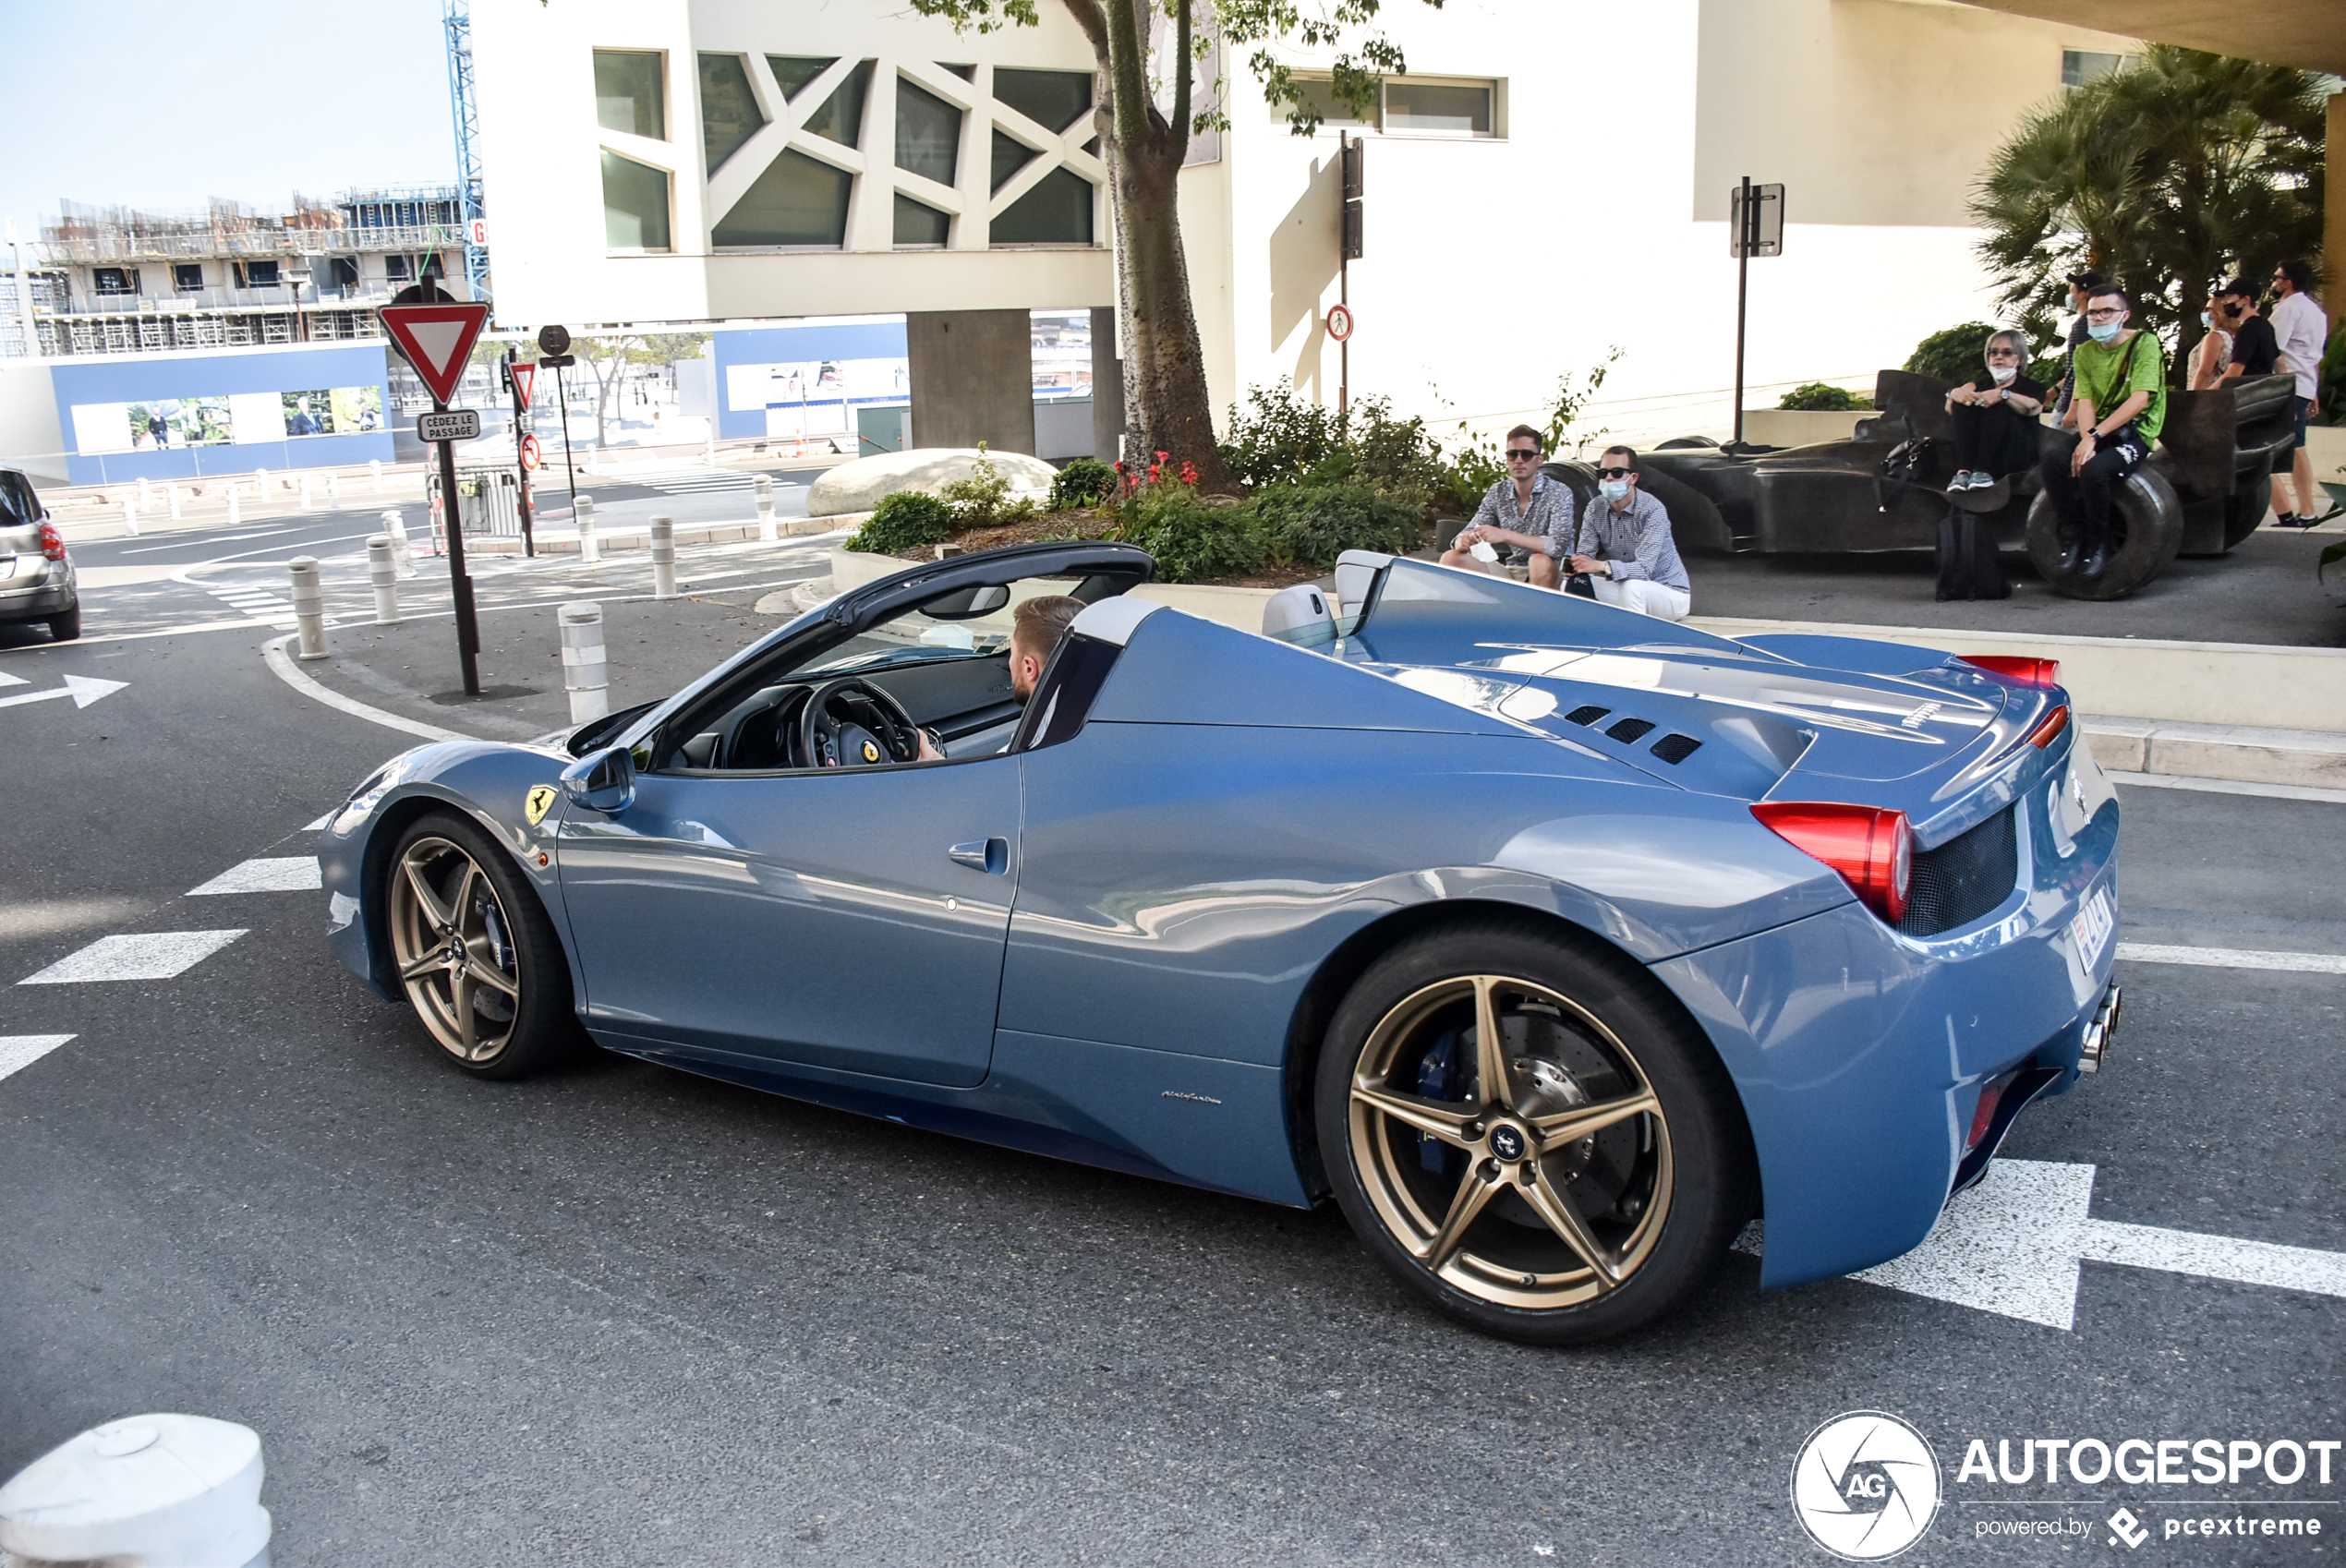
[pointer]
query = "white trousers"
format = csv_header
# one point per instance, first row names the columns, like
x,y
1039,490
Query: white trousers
x,y
1644,595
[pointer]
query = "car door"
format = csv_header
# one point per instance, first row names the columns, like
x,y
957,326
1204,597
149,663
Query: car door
x,y
843,918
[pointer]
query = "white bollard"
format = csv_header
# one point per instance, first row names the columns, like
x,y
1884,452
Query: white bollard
x,y
146,499
663,558
235,508
161,1491
585,673
306,504
334,492
763,485
383,571
178,499
399,551
310,606
375,467
130,516
588,550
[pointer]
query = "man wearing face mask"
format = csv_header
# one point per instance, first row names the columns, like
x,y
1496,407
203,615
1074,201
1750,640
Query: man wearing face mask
x,y
1623,543
2120,407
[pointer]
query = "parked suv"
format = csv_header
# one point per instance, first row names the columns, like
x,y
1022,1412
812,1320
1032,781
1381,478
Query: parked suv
x,y
36,579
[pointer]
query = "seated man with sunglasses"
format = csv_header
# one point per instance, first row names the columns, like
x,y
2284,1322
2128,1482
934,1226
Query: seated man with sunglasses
x,y
1624,545
1527,509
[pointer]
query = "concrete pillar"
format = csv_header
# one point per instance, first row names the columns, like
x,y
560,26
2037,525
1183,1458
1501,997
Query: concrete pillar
x,y
588,550
663,558
1107,386
178,499
401,555
763,485
310,606
383,571
972,378
586,670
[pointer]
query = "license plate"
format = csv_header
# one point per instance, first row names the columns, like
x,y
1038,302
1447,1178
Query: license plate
x,y
2093,926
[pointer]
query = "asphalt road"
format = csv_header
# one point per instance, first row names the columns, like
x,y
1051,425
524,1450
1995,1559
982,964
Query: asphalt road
x,y
618,1313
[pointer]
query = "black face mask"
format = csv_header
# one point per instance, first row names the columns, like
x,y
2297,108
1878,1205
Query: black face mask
x,y
2233,311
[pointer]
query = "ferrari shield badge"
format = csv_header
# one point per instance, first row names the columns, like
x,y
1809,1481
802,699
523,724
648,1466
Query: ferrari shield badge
x,y
540,801
871,752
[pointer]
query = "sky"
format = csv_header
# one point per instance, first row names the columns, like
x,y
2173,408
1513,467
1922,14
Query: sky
x,y
148,104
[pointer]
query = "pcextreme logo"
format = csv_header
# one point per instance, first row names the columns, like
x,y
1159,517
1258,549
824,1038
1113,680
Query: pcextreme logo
x,y
1866,1486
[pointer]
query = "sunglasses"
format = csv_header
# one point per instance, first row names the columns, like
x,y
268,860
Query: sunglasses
x,y
1615,473
2003,354
1529,453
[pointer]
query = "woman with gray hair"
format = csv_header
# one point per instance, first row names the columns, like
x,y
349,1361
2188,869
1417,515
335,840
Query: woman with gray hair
x,y
1995,416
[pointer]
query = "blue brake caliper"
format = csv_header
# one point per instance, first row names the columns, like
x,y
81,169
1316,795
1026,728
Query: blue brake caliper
x,y
1438,1079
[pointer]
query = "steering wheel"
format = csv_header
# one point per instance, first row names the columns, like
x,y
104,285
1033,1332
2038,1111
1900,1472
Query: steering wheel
x,y
851,723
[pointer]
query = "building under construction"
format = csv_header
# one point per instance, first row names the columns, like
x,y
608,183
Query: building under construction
x,y
116,280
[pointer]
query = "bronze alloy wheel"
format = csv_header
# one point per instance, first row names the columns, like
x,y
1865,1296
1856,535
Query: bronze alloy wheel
x,y
1526,1129
1511,1141
456,948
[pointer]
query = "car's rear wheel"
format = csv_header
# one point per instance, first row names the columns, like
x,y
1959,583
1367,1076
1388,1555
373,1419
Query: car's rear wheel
x,y
1529,1136
478,957
2145,535
66,627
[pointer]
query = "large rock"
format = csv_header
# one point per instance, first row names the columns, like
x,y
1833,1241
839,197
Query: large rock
x,y
858,486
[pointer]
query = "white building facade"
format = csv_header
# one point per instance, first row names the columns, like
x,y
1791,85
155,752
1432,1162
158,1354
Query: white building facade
x,y
1546,182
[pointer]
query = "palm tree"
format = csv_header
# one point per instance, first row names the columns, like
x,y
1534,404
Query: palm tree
x,y
2168,175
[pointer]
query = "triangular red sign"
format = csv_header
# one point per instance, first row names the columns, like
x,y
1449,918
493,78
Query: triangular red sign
x,y
524,382
437,340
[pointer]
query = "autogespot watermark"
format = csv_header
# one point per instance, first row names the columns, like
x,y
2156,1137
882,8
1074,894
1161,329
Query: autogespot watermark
x,y
1867,1485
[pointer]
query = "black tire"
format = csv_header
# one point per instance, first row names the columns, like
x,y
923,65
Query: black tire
x,y
1669,1160
2244,511
476,1025
2146,534
66,627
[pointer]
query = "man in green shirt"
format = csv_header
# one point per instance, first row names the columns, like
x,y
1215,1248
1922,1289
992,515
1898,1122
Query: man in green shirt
x,y
2120,404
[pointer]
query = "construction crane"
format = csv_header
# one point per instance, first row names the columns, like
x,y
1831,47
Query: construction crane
x,y
456,18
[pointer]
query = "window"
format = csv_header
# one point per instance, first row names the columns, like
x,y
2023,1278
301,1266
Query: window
x,y
2079,67
918,223
256,274
395,269
729,112
1057,211
1011,155
1052,99
627,93
1319,96
794,71
186,276
342,272
796,201
840,118
928,134
114,280
635,205
1437,108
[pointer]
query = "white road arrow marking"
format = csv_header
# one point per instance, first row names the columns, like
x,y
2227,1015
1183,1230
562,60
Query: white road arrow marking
x,y
8,680
2013,1245
81,688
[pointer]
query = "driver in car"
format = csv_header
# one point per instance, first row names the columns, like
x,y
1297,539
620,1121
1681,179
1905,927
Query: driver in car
x,y
1036,628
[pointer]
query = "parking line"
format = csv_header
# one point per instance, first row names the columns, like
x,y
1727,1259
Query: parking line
x,y
2229,787
156,955
280,873
2233,958
21,1051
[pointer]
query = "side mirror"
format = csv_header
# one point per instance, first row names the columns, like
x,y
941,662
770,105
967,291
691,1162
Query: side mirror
x,y
603,781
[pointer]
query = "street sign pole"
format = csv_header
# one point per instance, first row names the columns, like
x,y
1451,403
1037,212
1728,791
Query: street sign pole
x,y
1351,155
568,462
1746,211
554,348
521,412
467,627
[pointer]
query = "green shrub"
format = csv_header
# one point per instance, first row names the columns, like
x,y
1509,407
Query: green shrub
x,y
1822,395
1192,542
1955,354
1314,524
1084,482
905,521
982,499
1279,437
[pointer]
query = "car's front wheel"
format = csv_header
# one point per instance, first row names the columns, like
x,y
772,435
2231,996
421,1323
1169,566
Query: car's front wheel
x,y
477,956
1528,1136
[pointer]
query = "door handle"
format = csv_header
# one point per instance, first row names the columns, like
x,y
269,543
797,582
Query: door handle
x,y
989,855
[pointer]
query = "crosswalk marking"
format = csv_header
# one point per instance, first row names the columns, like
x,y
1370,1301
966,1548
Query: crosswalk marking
x,y
21,1051
254,603
283,874
154,955
2233,958
319,826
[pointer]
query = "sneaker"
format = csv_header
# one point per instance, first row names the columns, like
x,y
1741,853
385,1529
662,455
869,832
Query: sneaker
x,y
2290,520
1982,480
1962,481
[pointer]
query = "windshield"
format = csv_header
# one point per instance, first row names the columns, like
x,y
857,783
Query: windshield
x,y
916,637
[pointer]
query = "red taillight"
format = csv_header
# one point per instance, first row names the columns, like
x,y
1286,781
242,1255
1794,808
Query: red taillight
x,y
53,544
1872,848
1990,1095
2048,729
2042,673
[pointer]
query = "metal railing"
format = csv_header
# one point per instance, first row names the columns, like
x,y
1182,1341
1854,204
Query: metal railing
x,y
148,247
268,297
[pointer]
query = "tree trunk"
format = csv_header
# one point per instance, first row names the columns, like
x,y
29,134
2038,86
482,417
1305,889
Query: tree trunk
x,y
1166,405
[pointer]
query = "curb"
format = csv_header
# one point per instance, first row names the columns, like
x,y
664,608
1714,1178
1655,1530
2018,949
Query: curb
x,y
273,652
551,541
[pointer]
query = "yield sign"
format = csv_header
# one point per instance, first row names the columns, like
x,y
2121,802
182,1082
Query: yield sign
x,y
524,380
436,339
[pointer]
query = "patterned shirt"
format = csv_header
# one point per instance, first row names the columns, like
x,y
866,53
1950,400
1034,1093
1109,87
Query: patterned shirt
x,y
1636,540
1549,516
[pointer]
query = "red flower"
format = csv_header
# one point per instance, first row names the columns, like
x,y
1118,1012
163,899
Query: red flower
x,y
1189,472
1161,456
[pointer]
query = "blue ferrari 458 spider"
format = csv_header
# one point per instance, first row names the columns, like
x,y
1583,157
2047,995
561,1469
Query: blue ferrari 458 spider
x,y
1553,942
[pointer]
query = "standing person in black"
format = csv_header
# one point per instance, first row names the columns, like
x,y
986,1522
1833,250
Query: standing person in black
x,y
2255,351
1995,416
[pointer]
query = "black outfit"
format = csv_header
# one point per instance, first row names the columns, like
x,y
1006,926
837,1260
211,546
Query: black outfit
x,y
1997,439
2254,349
2067,392
2084,497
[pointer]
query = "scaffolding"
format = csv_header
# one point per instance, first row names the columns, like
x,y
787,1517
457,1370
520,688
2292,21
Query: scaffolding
x,y
456,16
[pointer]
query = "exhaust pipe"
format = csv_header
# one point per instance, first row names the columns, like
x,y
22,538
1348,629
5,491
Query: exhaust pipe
x,y
2095,1047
